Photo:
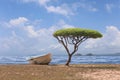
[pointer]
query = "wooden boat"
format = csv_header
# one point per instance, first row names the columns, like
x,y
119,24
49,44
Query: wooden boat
x,y
42,60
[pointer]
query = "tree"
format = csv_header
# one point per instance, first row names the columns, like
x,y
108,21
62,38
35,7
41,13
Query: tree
x,y
74,37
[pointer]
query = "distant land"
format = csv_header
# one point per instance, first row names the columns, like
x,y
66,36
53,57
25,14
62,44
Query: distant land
x,y
91,54
110,54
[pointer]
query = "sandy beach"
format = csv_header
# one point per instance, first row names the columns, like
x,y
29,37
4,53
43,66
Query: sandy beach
x,y
60,72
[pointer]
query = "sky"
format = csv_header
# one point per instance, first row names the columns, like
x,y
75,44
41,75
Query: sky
x,y
27,26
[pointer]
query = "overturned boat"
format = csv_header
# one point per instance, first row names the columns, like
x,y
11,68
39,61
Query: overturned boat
x,y
41,60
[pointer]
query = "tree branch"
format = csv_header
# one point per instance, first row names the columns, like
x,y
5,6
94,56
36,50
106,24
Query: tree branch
x,y
65,45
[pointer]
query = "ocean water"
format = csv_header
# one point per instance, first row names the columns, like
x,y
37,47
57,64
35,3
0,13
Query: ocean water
x,y
63,59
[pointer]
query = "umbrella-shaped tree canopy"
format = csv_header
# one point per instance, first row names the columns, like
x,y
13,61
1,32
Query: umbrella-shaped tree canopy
x,y
77,32
74,36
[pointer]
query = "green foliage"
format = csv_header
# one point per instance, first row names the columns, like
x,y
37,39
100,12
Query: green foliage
x,y
77,32
74,36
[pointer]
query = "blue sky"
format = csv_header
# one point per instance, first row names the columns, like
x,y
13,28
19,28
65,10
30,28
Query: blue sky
x,y
26,26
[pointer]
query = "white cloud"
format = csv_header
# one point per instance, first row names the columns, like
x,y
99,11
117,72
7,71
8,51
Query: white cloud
x,y
11,45
32,40
18,21
113,33
63,10
110,43
41,2
31,31
43,37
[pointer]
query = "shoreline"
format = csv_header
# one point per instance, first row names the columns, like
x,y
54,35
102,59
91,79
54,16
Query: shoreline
x,y
60,72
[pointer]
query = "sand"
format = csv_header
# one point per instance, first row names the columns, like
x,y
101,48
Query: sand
x,y
60,72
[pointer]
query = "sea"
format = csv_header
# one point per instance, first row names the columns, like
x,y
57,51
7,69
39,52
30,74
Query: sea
x,y
61,59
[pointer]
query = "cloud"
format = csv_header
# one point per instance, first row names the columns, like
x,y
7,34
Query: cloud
x,y
43,40
41,2
18,21
31,32
63,9
28,39
113,34
11,45
33,40
110,43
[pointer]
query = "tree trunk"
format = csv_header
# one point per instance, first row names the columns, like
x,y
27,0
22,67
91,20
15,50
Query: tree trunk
x,y
69,60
